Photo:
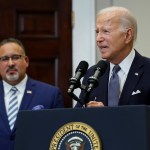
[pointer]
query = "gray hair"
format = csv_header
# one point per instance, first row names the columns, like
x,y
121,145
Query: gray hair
x,y
127,19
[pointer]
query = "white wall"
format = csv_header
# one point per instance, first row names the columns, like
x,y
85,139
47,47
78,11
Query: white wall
x,y
83,33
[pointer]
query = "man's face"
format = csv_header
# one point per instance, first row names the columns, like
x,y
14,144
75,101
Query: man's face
x,y
110,39
13,63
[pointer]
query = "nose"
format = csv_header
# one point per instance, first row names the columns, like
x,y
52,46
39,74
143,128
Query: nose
x,y
99,37
10,62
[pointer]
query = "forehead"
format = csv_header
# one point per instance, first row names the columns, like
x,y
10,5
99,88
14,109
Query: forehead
x,y
108,18
10,48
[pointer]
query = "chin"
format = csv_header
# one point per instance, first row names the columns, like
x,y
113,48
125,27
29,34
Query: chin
x,y
104,57
14,77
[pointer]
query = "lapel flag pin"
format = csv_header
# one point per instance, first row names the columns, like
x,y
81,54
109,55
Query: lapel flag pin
x,y
136,74
29,92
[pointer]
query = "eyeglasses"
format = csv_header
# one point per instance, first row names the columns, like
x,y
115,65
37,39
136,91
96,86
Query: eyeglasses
x,y
13,58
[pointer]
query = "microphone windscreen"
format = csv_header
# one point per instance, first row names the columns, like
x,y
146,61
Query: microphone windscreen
x,y
102,64
83,66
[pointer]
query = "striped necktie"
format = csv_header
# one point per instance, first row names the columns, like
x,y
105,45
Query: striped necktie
x,y
13,107
114,87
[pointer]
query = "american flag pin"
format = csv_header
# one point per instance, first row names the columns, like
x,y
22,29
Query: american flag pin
x,y
29,92
136,74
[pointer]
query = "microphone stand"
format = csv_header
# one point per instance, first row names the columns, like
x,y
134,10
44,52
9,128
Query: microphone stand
x,y
75,98
92,83
87,94
70,93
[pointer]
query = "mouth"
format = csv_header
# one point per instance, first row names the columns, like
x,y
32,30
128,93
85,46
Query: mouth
x,y
11,71
103,47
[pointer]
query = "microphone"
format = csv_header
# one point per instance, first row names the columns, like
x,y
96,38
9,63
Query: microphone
x,y
99,71
74,82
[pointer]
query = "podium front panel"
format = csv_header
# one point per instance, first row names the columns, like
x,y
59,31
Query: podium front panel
x,y
119,128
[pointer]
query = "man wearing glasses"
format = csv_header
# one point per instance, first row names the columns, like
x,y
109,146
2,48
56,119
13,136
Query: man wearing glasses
x,y
18,91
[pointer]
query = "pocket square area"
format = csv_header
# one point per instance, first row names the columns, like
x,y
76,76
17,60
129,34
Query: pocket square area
x,y
136,92
38,107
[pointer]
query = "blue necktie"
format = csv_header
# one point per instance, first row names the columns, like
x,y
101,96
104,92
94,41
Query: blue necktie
x,y
114,87
13,107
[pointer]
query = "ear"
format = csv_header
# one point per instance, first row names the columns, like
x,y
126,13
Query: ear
x,y
129,35
27,60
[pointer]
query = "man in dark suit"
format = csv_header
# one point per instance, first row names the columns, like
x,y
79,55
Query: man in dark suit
x,y
116,30
30,94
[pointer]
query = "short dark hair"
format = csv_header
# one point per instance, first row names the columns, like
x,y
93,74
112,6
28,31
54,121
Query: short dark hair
x,y
13,40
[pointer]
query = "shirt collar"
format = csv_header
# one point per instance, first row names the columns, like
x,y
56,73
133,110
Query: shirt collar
x,y
20,86
126,63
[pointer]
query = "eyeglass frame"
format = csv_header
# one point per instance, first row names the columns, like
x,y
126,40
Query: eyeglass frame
x,y
14,57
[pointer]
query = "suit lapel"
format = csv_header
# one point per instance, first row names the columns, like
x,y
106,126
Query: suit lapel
x,y
3,115
26,100
28,94
101,92
134,76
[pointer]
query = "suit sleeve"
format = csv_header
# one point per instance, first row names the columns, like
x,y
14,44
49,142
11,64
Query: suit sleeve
x,y
58,103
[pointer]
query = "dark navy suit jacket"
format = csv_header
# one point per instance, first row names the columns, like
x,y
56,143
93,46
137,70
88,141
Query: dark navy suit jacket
x,y
136,90
37,95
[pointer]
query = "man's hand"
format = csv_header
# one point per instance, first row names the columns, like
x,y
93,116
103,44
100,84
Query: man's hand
x,y
94,104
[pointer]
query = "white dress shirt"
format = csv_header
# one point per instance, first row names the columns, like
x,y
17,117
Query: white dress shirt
x,y
21,88
125,66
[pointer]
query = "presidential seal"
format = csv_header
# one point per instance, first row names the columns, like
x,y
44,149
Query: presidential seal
x,y
75,136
